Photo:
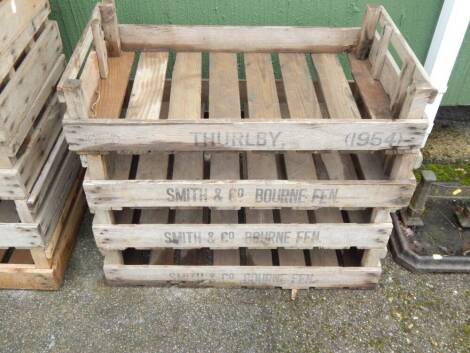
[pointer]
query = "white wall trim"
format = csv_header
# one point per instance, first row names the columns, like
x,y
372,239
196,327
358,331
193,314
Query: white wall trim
x,y
445,46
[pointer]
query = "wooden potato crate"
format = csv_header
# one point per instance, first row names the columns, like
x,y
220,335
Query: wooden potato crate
x,y
279,138
29,72
37,233
27,264
19,17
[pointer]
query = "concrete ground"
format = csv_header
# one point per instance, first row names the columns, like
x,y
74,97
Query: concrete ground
x,y
406,313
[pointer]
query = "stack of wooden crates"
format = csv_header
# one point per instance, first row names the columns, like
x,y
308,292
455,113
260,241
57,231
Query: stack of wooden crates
x,y
279,170
40,199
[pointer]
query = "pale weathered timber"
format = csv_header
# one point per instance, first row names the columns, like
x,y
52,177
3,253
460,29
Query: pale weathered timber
x,y
110,28
27,81
224,102
233,236
147,90
113,90
19,16
375,99
251,276
238,38
366,35
103,135
17,138
26,275
115,194
79,55
16,48
17,182
100,47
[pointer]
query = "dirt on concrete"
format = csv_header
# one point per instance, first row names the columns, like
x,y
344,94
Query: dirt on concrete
x,y
449,141
406,313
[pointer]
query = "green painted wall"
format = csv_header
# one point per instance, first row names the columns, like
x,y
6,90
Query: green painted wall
x,y
416,19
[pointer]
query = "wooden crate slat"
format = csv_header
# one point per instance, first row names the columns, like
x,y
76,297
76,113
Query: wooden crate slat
x,y
238,38
20,16
27,82
115,194
147,91
17,139
79,55
185,102
185,96
113,90
252,276
16,48
50,169
17,183
376,100
263,104
301,96
335,87
247,135
224,102
28,276
224,232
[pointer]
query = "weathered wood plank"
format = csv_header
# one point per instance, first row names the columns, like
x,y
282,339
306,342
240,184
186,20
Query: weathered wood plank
x,y
113,90
16,183
238,38
335,87
205,135
19,16
48,172
250,276
27,276
50,211
300,92
110,27
20,235
17,47
103,194
185,96
147,91
17,137
232,235
27,82
79,55
376,100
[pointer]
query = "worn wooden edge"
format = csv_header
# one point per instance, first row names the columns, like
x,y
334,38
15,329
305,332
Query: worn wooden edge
x,y
116,194
98,135
49,170
287,277
17,47
18,96
24,14
18,276
234,236
79,54
403,49
20,235
238,38
15,142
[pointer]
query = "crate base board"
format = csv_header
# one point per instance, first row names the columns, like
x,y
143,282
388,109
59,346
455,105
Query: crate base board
x,y
286,277
27,276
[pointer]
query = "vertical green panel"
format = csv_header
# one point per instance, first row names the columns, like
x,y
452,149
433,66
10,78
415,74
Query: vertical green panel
x,y
416,19
458,92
